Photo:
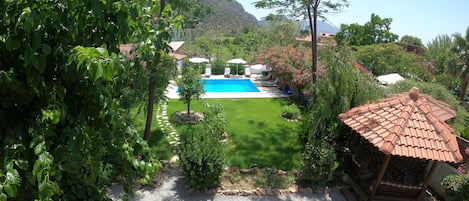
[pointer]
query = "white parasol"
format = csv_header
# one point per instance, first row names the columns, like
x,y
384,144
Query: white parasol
x,y
198,60
236,61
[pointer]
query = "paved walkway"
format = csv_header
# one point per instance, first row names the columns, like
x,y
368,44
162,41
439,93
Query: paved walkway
x,y
166,127
173,189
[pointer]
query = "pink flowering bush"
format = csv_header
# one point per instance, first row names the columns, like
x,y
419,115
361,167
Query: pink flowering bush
x,y
293,64
289,63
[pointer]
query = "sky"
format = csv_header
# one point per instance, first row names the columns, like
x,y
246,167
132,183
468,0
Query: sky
x,y
425,19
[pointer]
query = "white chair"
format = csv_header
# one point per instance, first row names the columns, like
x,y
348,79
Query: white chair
x,y
227,72
208,72
264,78
247,72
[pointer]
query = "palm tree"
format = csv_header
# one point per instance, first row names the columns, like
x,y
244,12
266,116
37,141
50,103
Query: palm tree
x,y
461,48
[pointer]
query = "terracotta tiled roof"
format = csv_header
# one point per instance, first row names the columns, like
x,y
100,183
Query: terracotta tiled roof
x,y
177,56
126,49
407,124
440,109
305,39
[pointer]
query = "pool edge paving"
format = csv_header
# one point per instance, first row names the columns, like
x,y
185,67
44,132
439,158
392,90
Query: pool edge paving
x,y
265,92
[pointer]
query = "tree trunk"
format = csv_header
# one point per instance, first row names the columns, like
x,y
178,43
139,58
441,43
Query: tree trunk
x,y
188,109
151,91
312,28
151,101
463,89
315,41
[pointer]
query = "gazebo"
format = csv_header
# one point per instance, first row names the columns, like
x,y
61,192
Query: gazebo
x,y
400,140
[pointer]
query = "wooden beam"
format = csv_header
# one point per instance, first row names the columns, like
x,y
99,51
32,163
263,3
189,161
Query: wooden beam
x,y
380,176
428,176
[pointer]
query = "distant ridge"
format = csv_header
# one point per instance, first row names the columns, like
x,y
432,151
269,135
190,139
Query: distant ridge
x,y
323,27
229,15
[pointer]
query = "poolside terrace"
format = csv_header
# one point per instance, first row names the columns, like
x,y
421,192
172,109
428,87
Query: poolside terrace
x,y
265,91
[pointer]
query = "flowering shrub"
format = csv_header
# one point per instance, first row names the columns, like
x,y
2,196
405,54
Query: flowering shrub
x,y
293,64
457,185
289,63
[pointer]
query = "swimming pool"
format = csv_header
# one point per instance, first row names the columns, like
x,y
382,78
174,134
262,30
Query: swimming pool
x,y
229,85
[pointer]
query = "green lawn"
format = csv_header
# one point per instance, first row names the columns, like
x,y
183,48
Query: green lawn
x,y
258,136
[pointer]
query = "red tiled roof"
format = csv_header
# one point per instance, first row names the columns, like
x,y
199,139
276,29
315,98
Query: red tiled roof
x,y
407,124
440,109
126,49
305,39
177,56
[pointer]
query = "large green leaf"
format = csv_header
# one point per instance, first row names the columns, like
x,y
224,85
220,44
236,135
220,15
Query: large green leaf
x,y
22,164
3,196
39,148
10,189
12,180
12,44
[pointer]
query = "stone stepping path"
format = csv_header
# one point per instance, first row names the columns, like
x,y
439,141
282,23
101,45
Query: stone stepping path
x,y
166,127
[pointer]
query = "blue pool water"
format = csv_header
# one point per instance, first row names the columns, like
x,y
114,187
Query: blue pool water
x,y
227,85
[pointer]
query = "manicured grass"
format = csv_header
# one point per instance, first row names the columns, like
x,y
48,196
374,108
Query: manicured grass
x,y
158,141
258,136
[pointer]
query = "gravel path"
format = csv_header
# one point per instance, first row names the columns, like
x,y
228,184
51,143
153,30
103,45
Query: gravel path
x,y
173,189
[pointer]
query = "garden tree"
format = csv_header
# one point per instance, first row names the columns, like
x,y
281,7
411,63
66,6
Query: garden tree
x,y
63,135
191,10
411,40
373,32
203,46
201,153
245,44
352,34
322,133
153,54
290,64
387,58
281,30
439,53
308,9
461,68
190,87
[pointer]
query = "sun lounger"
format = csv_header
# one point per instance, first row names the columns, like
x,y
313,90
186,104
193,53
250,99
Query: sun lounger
x,y
227,72
263,78
271,84
208,72
247,72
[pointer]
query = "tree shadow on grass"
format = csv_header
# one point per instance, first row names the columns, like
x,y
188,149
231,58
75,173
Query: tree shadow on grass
x,y
159,144
258,124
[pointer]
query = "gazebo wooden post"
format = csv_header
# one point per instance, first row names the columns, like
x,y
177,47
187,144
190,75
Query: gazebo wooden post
x,y
428,176
380,176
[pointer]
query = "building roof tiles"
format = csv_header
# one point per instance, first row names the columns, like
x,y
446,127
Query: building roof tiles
x,y
407,124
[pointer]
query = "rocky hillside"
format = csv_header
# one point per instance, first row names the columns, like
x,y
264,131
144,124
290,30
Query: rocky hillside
x,y
228,16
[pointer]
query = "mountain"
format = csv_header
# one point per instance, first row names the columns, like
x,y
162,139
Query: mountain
x,y
228,16
323,27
